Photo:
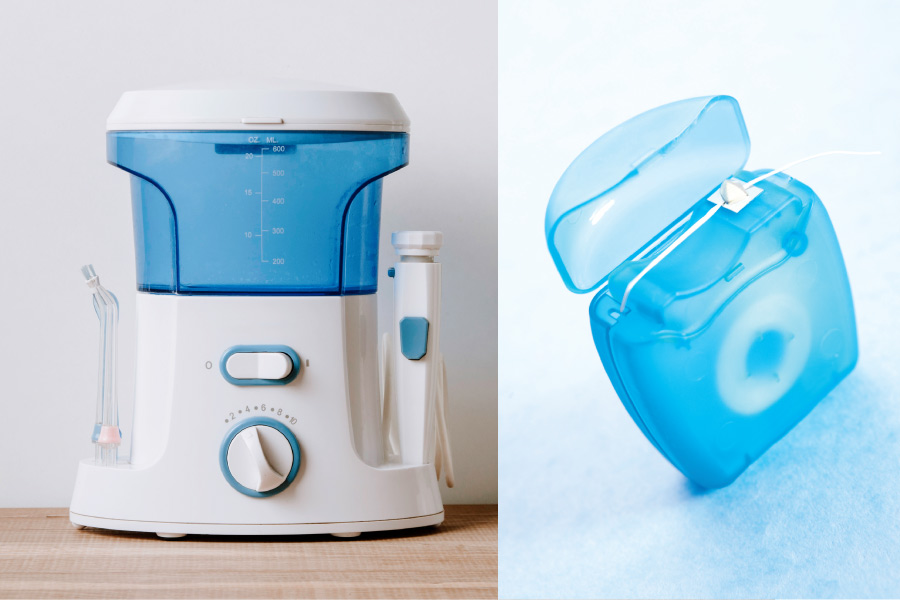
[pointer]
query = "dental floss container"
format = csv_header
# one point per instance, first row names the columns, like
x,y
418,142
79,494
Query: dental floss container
x,y
720,330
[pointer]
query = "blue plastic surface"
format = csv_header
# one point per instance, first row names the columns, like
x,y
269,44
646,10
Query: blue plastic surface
x,y
737,334
633,182
257,212
268,422
413,337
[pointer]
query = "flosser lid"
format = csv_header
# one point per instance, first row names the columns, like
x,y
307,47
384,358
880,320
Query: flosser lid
x,y
636,180
257,105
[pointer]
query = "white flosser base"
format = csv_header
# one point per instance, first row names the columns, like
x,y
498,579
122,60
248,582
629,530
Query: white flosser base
x,y
167,530
174,484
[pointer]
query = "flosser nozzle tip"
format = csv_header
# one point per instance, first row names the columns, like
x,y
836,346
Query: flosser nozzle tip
x,y
90,275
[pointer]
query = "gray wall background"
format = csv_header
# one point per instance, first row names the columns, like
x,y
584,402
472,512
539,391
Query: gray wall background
x,y
64,65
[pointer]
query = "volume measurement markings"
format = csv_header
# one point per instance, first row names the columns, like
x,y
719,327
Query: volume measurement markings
x,y
262,256
262,200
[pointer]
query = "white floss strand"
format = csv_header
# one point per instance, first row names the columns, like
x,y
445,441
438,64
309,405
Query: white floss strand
x,y
750,183
716,207
666,252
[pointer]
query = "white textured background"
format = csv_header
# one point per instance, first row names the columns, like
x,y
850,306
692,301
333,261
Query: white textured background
x,y
63,65
588,507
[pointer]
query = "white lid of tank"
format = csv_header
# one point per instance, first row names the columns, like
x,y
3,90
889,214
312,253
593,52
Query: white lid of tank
x,y
258,105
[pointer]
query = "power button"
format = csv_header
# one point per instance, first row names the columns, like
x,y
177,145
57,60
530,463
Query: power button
x,y
259,365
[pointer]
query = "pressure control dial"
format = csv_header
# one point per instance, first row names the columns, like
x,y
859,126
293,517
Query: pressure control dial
x,y
260,457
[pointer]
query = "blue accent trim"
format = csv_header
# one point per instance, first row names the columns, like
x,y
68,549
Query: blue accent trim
x,y
368,291
391,272
295,359
189,292
413,337
268,422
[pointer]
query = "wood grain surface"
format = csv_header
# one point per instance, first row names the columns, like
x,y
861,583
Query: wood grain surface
x,y
43,556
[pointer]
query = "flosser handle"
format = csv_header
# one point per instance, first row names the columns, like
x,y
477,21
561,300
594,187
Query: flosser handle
x,y
415,352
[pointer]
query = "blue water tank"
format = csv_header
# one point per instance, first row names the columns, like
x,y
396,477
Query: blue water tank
x,y
257,188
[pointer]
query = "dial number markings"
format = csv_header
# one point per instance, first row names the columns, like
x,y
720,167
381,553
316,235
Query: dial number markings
x,y
262,408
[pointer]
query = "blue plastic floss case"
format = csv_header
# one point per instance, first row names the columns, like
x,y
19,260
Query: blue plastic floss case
x,y
731,339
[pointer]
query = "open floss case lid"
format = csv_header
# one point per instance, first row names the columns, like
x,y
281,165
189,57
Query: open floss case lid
x,y
630,185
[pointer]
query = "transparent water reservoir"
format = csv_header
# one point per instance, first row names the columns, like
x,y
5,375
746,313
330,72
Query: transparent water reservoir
x,y
267,212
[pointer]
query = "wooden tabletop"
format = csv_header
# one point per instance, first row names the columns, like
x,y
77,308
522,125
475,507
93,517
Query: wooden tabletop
x,y
43,556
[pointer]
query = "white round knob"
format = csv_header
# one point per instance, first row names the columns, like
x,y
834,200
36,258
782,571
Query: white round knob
x,y
260,458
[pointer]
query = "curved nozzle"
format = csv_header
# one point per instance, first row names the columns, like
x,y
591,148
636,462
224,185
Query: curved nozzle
x,y
106,434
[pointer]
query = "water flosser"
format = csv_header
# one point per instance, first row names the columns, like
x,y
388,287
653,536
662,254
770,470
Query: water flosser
x,y
257,211
416,344
106,435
